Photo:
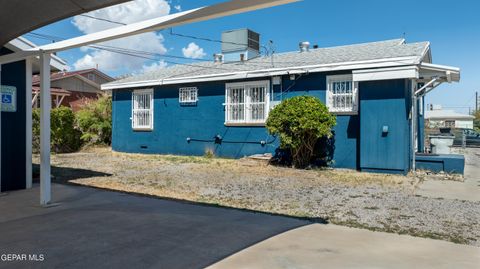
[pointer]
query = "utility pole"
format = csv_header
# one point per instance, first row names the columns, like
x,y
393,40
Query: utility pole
x,y
476,101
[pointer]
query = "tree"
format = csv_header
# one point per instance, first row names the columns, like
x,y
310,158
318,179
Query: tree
x,y
300,122
94,120
476,121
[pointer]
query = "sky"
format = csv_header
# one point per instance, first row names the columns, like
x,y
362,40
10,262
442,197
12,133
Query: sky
x,y
453,29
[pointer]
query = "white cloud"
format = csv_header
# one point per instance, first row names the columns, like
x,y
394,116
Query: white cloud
x,y
154,66
125,13
193,51
178,8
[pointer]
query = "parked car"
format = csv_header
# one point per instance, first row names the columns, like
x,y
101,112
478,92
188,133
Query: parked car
x,y
472,137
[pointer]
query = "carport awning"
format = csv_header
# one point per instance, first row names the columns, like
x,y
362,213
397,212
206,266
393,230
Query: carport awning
x,y
195,15
422,72
443,72
20,17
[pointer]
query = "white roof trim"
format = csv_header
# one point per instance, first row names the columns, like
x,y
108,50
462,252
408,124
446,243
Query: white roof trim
x,y
401,72
447,73
400,61
425,52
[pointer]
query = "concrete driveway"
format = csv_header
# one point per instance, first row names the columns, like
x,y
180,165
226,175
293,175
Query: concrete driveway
x,y
468,190
331,246
100,229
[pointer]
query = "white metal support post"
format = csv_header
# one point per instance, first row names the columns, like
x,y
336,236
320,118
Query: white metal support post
x,y
413,126
28,122
45,106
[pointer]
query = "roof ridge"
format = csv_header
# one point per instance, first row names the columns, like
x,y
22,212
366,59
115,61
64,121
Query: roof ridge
x,y
399,40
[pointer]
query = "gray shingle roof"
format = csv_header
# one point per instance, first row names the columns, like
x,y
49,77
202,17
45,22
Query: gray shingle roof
x,y
331,55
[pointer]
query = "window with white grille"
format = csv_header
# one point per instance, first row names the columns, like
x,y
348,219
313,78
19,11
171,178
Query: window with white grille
x,y
449,123
247,103
142,109
342,94
188,95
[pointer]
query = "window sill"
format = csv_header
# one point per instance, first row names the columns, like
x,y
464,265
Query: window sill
x,y
239,124
345,113
142,129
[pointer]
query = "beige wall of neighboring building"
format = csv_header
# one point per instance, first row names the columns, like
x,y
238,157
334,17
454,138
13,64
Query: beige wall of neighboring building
x,y
93,76
76,85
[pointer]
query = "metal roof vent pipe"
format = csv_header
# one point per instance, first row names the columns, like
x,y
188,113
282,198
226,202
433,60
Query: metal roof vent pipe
x,y
218,58
304,46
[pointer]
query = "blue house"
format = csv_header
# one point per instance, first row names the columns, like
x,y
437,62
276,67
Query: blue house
x,y
375,90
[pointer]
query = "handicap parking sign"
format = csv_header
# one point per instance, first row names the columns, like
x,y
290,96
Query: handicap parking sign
x,y
8,98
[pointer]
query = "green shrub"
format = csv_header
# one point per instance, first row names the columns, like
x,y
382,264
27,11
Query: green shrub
x,y
94,120
300,122
476,121
64,136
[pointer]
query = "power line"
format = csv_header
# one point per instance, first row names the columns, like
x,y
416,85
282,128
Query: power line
x,y
102,19
119,49
131,51
205,39
139,54
171,31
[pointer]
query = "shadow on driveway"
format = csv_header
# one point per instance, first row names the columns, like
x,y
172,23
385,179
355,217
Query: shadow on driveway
x,y
65,174
94,228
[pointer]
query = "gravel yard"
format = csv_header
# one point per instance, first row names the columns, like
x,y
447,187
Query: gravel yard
x,y
372,201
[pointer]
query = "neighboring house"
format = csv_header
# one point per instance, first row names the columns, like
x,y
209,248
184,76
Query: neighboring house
x,y
74,88
222,105
437,117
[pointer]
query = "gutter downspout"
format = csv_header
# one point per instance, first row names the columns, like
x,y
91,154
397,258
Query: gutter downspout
x,y
413,120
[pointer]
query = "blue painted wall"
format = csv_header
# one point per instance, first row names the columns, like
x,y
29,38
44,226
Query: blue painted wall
x,y
174,123
359,142
384,104
13,129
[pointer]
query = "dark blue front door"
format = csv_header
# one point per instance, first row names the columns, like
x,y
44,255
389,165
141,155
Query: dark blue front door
x,y
384,135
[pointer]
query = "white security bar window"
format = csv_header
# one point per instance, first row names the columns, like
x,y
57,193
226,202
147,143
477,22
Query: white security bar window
x,y
247,103
449,123
342,94
142,110
188,95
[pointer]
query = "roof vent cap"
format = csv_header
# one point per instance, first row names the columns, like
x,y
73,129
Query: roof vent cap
x,y
218,58
304,46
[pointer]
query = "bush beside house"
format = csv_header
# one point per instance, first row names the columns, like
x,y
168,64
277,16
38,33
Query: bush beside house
x,y
94,120
70,131
300,122
476,121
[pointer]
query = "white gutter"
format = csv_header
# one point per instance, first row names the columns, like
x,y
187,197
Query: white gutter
x,y
398,61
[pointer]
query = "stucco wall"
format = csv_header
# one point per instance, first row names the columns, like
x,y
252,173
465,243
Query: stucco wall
x,y
173,123
13,129
381,103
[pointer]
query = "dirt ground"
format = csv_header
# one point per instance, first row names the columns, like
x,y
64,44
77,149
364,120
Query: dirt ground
x,y
373,201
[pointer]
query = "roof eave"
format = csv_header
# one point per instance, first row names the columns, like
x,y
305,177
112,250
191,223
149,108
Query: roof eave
x,y
386,62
